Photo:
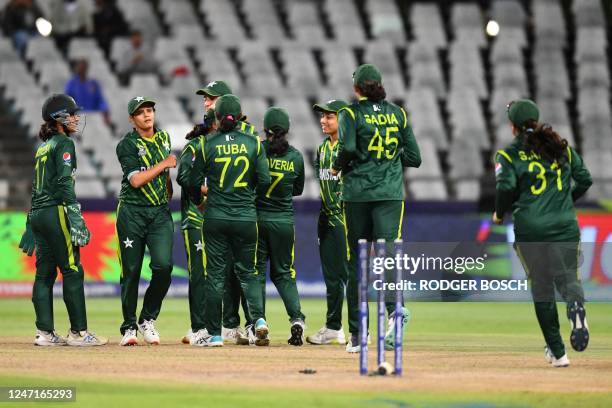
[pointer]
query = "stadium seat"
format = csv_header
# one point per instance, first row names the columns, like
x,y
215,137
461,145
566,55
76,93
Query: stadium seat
x,y
427,24
385,20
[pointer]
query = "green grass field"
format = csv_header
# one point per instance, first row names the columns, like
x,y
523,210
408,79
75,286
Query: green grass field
x,y
457,355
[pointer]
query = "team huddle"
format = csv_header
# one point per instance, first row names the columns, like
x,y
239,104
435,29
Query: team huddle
x,y
237,216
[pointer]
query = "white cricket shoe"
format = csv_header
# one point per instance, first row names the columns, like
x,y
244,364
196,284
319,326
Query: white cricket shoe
x,y
202,338
85,338
231,335
296,338
187,338
246,337
48,339
327,336
556,362
129,338
150,334
353,346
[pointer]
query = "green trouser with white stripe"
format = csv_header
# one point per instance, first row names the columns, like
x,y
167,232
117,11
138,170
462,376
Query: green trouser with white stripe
x,y
230,242
551,265
137,227
334,254
276,244
54,250
196,265
371,220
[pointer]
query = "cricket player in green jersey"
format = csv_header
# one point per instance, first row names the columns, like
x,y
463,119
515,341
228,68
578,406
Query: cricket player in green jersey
x,y
232,293
55,226
375,143
191,224
275,218
144,219
233,164
539,177
333,245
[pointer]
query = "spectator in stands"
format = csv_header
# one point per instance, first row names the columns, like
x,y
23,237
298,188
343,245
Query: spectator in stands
x,y
70,18
87,91
19,22
108,23
136,59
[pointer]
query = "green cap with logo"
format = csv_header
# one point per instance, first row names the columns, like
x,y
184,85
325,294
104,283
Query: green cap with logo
x,y
228,105
276,117
521,111
138,101
215,88
332,106
366,72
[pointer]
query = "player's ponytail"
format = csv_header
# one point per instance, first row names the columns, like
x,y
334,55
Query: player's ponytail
x,y
373,90
278,144
47,130
227,122
544,141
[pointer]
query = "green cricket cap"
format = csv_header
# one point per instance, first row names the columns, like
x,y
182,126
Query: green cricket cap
x,y
215,88
521,111
366,72
228,105
276,117
137,101
332,106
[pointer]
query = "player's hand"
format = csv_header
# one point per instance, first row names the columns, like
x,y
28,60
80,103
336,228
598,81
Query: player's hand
x,y
170,161
334,172
27,243
204,190
79,234
497,220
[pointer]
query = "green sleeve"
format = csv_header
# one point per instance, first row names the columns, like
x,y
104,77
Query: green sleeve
x,y
347,138
505,177
185,165
127,154
298,184
261,166
580,174
196,176
411,154
65,162
317,162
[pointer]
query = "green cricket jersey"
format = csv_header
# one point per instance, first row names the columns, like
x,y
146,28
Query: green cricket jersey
x,y
191,215
136,154
275,202
234,164
540,194
375,142
53,181
330,185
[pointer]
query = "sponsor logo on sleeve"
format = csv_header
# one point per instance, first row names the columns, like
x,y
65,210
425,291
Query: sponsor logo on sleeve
x,y
67,159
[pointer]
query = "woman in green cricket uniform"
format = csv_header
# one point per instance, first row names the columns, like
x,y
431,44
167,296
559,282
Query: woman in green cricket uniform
x,y
375,143
333,246
144,219
233,164
191,224
55,227
275,217
539,177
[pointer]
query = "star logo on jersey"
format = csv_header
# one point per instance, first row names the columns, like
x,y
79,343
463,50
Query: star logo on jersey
x,y
376,108
128,243
139,98
141,151
199,245
166,146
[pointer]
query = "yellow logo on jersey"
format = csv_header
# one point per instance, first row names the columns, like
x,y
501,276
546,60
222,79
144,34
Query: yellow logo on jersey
x,y
381,119
278,164
231,149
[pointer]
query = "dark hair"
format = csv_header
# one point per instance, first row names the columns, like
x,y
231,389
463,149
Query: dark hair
x,y
278,141
227,122
373,90
544,141
199,129
47,129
